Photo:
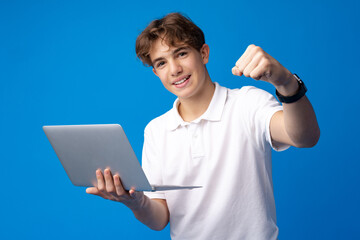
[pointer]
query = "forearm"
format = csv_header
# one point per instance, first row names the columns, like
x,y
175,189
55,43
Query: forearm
x,y
300,123
299,118
153,213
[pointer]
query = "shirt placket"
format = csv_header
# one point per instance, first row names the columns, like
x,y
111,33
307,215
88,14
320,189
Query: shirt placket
x,y
197,150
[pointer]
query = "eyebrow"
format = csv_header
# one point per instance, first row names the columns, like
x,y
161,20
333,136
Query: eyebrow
x,y
179,49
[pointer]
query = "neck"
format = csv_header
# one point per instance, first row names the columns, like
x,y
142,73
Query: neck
x,y
192,108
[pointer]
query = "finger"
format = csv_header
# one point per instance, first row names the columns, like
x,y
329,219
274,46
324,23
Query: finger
x,y
109,182
92,190
235,70
261,70
95,191
245,54
246,57
118,186
132,193
100,180
253,64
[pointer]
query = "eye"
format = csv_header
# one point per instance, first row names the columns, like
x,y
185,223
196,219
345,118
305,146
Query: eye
x,y
160,64
182,54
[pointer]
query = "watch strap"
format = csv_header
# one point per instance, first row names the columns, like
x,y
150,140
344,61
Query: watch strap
x,y
299,94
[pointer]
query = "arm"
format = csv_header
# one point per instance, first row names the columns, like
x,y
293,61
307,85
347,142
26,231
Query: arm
x,y
152,212
296,125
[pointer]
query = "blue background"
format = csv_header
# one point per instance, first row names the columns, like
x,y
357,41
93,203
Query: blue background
x,y
73,62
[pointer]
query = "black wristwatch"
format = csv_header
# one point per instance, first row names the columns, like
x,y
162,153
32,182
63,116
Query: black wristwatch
x,y
299,94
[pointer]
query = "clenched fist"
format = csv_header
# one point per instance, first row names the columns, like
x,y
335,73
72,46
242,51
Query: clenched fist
x,y
259,65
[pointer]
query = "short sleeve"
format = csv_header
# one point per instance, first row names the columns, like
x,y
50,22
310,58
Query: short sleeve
x,y
261,107
151,163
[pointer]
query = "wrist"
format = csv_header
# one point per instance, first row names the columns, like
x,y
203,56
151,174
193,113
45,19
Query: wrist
x,y
300,92
289,88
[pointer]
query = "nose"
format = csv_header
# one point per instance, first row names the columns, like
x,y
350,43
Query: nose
x,y
175,68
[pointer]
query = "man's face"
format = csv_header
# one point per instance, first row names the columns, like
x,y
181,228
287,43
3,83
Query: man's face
x,y
181,69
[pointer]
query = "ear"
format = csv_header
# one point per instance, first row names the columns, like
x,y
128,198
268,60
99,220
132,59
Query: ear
x,y
204,51
154,71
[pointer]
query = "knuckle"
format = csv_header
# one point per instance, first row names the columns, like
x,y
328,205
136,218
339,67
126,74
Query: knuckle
x,y
251,46
260,54
266,63
257,48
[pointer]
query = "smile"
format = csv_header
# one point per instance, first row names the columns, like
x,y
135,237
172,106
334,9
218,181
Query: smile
x,y
182,80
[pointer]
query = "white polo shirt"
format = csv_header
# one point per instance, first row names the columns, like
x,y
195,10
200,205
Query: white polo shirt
x,y
227,151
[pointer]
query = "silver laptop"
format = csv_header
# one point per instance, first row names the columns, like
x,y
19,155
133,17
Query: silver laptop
x,y
82,149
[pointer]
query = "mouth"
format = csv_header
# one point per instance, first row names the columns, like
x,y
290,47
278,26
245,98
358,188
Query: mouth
x,y
182,80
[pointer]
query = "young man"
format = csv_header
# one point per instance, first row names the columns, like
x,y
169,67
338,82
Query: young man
x,y
215,137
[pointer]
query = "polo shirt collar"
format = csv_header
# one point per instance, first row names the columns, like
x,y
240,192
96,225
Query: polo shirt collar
x,y
213,112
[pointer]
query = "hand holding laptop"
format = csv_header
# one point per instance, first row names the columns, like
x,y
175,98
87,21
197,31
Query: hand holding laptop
x,y
111,188
148,211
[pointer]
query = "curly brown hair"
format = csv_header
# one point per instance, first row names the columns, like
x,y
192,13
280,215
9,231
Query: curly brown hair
x,y
174,29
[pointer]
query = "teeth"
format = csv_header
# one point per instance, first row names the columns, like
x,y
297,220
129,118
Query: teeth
x,y
181,81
